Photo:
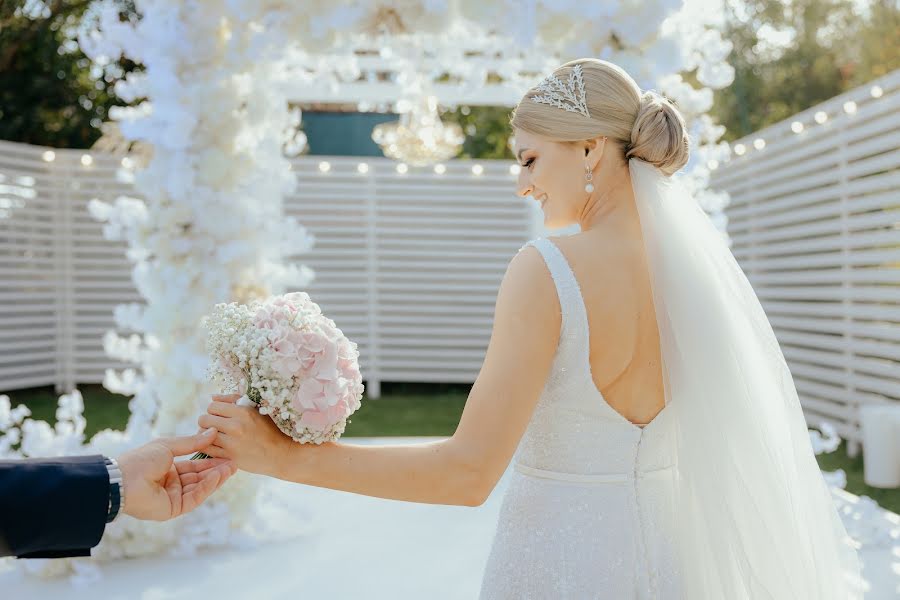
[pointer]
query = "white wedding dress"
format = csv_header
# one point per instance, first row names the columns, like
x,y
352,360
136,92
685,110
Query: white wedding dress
x,y
589,509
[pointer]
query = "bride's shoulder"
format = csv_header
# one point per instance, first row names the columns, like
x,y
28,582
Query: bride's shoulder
x,y
527,291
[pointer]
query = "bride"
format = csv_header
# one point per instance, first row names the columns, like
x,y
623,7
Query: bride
x,y
632,378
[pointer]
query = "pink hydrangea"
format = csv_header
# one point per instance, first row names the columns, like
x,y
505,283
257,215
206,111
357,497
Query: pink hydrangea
x,y
302,359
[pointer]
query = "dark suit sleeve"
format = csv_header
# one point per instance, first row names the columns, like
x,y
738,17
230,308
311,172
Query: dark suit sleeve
x,y
52,507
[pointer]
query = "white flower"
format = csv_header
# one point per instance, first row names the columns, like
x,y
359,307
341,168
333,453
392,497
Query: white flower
x,y
207,217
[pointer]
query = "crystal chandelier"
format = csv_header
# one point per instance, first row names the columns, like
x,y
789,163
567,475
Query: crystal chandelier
x,y
419,138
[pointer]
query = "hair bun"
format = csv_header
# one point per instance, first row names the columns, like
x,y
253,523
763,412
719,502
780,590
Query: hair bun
x,y
659,134
650,98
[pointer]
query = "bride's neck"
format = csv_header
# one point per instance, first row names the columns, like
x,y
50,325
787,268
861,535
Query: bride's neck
x,y
612,211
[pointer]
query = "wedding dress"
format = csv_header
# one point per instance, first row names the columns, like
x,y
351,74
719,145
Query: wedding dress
x,y
720,496
588,512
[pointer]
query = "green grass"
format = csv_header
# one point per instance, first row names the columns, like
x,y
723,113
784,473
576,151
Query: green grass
x,y
853,467
102,408
402,410
407,414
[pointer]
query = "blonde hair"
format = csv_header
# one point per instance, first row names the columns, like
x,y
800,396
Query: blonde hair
x,y
644,125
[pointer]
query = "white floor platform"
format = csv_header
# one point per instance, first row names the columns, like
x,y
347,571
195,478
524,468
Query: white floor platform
x,y
355,547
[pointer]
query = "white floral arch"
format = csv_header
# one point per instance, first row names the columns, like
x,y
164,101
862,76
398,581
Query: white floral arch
x,y
212,102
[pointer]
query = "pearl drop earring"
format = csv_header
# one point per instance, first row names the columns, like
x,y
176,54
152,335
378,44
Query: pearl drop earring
x,y
589,187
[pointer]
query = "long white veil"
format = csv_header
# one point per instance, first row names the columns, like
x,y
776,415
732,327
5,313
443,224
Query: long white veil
x,y
755,518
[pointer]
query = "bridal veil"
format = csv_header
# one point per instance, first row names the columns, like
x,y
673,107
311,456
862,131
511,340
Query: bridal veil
x,y
755,518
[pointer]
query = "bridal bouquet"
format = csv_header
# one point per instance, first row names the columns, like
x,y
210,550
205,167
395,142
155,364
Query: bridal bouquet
x,y
290,360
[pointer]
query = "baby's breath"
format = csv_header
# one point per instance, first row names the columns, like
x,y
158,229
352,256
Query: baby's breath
x,y
245,360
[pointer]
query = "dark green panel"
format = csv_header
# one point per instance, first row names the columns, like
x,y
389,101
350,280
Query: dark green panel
x,y
343,134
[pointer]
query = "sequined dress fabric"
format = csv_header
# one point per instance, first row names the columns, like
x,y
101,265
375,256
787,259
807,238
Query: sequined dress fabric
x,y
588,511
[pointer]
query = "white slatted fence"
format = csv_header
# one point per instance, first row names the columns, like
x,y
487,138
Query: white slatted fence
x,y
815,224
408,265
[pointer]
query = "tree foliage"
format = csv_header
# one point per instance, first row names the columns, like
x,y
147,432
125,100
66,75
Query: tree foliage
x,y
50,93
789,55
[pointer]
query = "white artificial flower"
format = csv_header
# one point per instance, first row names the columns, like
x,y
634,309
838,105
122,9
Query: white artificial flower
x,y
208,218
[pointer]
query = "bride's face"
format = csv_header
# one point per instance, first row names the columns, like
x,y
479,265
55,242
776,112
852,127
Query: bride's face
x,y
553,174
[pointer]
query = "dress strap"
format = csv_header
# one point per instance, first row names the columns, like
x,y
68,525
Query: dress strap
x,y
567,287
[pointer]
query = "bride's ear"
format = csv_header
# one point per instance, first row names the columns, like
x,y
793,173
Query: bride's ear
x,y
593,150
597,144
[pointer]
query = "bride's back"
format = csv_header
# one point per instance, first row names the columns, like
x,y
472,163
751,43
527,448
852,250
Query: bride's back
x,y
589,510
624,337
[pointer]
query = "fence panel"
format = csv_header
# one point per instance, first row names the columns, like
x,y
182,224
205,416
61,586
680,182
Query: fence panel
x,y
815,223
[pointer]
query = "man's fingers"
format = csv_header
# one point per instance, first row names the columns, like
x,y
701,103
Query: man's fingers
x,y
179,446
225,471
224,466
196,493
196,466
216,452
189,478
173,487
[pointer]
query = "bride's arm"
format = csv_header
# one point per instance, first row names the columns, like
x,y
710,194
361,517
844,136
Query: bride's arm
x,y
431,473
460,470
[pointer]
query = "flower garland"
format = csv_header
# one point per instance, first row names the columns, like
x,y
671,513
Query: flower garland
x,y
209,226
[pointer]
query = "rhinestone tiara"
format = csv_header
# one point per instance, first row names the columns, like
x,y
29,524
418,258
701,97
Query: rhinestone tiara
x,y
569,96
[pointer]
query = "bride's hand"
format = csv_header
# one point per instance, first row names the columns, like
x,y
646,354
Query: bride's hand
x,y
248,438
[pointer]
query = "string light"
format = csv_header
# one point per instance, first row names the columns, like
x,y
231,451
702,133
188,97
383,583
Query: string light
x,y
850,107
49,156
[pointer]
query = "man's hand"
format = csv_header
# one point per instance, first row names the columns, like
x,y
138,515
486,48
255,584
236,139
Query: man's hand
x,y
157,488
